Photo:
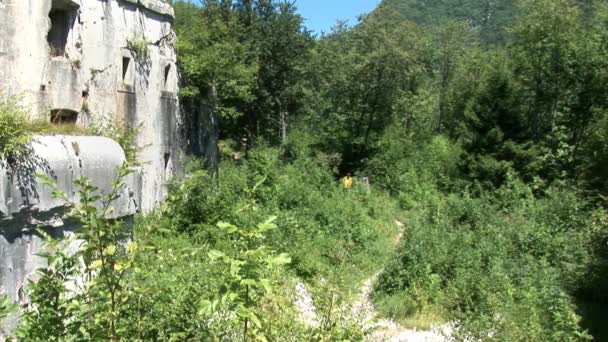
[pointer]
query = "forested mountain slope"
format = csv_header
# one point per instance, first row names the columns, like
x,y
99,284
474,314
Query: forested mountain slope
x,y
491,18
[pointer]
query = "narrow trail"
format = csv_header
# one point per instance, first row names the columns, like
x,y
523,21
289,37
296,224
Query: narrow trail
x,y
387,329
363,311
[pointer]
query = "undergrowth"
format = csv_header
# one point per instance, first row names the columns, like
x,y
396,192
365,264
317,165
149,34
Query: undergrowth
x,y
498,266
323,227
14,135
220,260
334,239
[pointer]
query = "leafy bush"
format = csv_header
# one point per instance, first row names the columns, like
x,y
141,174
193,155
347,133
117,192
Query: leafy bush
x,y
80,294
321,226
329,234
14,135
502,266
7,307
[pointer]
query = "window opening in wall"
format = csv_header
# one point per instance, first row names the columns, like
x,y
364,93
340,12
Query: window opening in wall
x,y
167,71
167,157
62,16
63,116
125,67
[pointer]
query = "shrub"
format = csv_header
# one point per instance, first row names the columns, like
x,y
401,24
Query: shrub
x,y
14,135
320,225
503,266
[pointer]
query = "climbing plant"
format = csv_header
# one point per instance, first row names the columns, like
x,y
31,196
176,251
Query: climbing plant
x,y
139,47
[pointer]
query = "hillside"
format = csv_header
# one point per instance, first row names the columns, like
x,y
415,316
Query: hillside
x,y
490,17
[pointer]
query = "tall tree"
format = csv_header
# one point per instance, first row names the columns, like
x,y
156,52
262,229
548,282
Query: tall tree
x,y
359,76
284,47
216,63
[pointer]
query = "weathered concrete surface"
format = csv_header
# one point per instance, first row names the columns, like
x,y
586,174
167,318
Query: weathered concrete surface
x,y
76,58
95,62
65,159
25,204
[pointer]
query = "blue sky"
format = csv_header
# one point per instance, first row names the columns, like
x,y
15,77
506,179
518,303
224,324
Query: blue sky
x,y
321,15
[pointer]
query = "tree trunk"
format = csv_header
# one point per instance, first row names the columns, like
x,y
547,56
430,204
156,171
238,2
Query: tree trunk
x,y
282,123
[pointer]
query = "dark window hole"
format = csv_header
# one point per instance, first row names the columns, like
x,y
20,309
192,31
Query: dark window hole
x,y
125,67
60,29
167,158
167,71
63,116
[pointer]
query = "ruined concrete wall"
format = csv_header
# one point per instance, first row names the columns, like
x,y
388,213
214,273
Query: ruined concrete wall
x,y
98,61
26,204
92,62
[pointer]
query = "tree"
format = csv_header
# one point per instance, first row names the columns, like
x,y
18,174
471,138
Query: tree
x,y
284,46
357,78
217,63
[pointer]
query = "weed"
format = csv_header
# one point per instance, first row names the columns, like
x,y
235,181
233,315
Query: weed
x,y
139,47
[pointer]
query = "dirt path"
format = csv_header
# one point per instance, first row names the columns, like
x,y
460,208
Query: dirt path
x,y
386,329
363,311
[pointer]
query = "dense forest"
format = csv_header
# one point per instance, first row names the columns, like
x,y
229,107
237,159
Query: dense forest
x,y
481,125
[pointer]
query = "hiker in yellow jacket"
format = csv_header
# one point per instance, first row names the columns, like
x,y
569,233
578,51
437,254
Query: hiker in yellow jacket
x,y
347,181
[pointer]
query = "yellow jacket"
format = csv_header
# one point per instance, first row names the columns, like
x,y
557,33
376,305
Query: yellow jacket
x,y
347,182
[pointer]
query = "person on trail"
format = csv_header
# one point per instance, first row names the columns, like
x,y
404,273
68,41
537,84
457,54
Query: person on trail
x,y
347,181
365,182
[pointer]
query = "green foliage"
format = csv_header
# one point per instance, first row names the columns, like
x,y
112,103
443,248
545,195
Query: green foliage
x,y
489,128
360,81
335,321
490,18
409,172
502,265
139,48
80,294
248,280
215,61
14,135
7,307
44,127
243,61
230,270
321,225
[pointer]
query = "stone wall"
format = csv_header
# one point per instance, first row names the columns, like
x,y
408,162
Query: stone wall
x,y
26,204
94,62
